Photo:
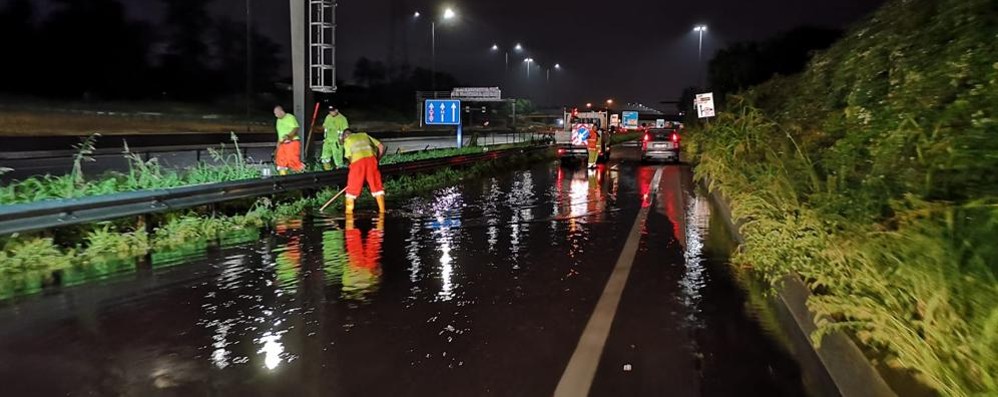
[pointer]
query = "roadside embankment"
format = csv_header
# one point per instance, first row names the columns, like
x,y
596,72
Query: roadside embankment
x,y
870,177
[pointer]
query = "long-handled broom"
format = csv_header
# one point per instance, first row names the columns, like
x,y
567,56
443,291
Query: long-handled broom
x,y
330,202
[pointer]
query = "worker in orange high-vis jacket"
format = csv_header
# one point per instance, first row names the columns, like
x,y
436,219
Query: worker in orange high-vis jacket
x,y
364,153
288,153
363,272
594,142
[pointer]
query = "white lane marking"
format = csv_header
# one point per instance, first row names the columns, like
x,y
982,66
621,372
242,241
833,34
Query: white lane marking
x,y
581,369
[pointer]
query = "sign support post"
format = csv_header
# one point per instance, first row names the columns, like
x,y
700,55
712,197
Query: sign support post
x,y
438,112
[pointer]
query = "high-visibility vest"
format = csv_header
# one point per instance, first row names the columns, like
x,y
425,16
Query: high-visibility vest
x,y
594,140
285,125
335,125
359,145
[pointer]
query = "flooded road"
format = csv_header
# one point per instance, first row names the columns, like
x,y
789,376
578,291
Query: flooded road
x,y
479,289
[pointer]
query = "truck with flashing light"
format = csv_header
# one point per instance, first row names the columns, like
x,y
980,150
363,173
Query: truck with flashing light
x,y
572,140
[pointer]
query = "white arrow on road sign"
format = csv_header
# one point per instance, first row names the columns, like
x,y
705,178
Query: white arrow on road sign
x,y
453,112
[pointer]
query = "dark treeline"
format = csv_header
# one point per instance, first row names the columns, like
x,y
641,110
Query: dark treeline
x,y
746,64
89,49
379,88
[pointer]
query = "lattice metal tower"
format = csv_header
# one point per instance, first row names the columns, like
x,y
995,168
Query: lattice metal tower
x,y
322,45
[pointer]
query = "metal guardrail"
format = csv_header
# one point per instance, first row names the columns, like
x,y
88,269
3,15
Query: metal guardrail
x,y
30,163
111,145
22,218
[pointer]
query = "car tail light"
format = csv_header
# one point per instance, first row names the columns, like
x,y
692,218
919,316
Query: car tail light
x,y
675,137
647,137
561,151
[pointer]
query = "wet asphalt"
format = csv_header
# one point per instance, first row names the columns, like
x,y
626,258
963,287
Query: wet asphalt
x,y
479,289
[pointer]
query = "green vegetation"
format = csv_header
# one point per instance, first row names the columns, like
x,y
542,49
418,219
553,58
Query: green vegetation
x,y
621,138
228,165
29,262
871,175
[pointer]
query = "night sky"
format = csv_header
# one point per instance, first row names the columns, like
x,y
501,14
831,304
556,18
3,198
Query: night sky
x,y
630,50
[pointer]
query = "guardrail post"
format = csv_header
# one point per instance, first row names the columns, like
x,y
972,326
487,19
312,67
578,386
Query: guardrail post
x,y
144,225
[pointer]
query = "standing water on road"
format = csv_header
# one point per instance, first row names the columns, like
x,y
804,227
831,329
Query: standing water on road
x,y
478,289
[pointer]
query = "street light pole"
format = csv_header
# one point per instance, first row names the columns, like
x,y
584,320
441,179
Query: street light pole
x,y
700,48
448,14
433,55
249,63
700,57
701,29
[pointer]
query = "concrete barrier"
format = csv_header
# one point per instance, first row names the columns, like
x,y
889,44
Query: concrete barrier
x,y
836,367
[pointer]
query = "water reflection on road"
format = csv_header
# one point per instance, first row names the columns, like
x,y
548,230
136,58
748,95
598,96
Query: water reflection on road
x,y
481,288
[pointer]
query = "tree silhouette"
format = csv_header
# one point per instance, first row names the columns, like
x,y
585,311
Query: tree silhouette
x,y
685,104
369,73
18,36
88,48
746,64
229,49
185,67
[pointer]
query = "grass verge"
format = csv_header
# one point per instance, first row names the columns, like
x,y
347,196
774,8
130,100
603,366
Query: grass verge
x,y
229,165
871,176
29,263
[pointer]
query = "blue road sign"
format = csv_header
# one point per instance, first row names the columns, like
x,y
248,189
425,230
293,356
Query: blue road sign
x,y
442,112
630,120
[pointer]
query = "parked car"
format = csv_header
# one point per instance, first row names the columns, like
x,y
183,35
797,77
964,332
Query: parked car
x,y
661,144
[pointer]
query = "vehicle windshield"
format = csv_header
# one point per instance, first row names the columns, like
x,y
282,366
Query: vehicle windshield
x,y
661,135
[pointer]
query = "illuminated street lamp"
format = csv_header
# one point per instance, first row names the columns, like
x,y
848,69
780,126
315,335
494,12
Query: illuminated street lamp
x,y
447,15
700,29
518,47
589,105
556,66
495,48
528,61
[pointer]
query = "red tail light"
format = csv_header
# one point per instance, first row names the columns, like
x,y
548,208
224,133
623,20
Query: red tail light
x,y
647,137
561,151
675,137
